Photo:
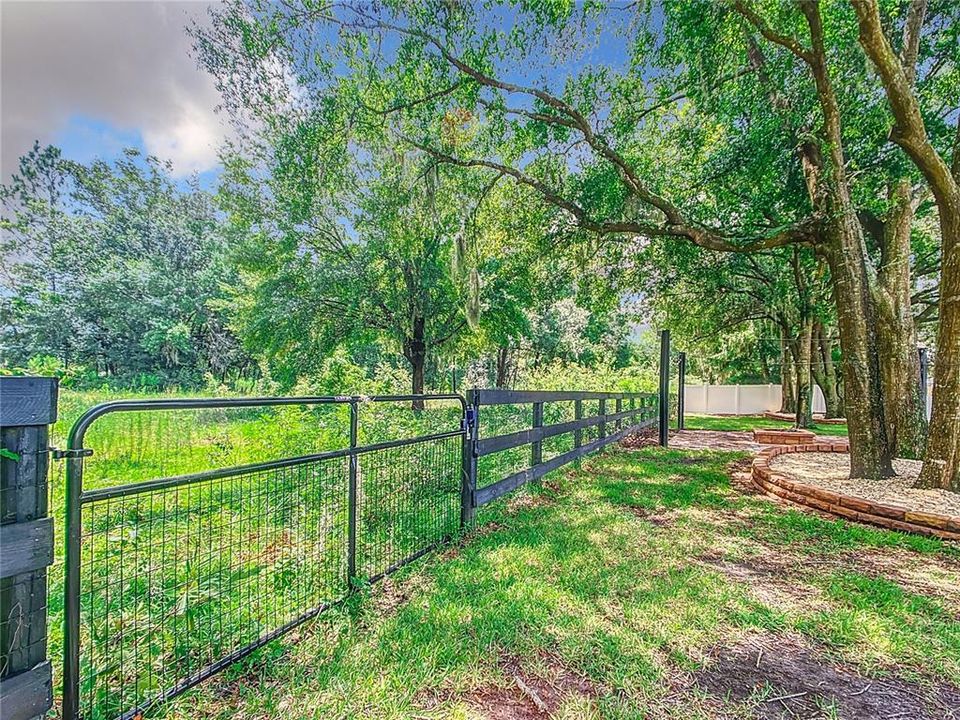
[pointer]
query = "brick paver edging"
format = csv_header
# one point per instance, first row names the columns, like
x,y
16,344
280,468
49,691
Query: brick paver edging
x,y
892,517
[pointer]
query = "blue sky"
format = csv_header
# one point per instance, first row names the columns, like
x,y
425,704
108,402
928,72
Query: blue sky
x,y
84,139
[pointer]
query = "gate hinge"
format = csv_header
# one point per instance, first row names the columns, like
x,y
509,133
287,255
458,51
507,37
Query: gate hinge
x,y
74,453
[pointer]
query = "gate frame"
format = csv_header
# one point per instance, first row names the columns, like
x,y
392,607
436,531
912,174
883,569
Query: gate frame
x,y
470,497
76,498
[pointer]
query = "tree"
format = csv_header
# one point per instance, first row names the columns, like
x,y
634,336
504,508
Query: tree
x,y
785,86
114,268
344,237
381,271
941,466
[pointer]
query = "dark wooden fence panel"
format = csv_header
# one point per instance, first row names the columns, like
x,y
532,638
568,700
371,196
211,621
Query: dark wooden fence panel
x,y
27,407
612,427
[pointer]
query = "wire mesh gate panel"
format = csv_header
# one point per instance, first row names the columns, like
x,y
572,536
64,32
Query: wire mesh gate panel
x,y
199,530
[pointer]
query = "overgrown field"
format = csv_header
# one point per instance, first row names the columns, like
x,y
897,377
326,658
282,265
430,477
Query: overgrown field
x,y
646,585
176,578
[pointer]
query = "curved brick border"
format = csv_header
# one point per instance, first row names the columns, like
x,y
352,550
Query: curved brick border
x,y
768,436
892,517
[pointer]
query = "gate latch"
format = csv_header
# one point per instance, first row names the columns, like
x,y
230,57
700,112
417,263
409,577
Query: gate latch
x,y
74,453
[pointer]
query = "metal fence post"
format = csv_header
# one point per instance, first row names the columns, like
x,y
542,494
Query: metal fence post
x,y
578,433
28,408
352,497
71,586
924,373
468,481
681,385
536,447
664,387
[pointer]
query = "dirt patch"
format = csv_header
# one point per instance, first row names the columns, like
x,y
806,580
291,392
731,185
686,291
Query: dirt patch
x,y
528,501
714,440
660,519
741,476
832,472
525,695
388,596
779,676
553,486
769,578
495,703
637,440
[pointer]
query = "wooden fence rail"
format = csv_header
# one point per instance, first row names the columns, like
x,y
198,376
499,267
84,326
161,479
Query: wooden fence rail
x,y
643,413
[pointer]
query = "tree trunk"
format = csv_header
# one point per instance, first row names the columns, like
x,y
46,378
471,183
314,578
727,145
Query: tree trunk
x,y
824,372
788,392
415,350
871,455
897,333
802,363
503,366
941,463
846,254
764,364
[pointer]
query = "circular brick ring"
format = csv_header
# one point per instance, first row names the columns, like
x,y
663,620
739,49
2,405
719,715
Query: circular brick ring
x,y
891,517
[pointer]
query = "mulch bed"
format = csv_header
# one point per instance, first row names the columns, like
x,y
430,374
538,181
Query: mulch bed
x,y
832,471
838,503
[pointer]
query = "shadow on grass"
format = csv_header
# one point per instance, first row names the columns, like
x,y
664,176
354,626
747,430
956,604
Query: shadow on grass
x,y
565,572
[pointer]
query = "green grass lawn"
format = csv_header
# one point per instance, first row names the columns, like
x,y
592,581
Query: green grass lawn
x,y
645,585
745,423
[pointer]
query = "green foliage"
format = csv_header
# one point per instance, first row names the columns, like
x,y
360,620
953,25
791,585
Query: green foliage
x,y
695,125
113,274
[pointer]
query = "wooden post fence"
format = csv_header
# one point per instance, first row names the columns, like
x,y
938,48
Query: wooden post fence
x,y
28,406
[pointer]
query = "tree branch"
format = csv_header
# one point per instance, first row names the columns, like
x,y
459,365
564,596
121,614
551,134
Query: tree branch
x,y
911,38
785,41
801,233
909,132
415,102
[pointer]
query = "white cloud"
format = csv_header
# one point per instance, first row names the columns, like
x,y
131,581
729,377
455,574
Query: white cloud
x,y
190,141
122,63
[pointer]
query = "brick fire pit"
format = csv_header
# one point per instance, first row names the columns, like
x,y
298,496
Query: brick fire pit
x,y
783,437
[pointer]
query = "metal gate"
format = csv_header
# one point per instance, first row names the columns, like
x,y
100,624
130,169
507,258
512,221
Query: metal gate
x,y
173,577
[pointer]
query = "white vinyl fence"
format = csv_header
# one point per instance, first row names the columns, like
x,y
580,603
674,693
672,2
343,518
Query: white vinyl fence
x,y
747,399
